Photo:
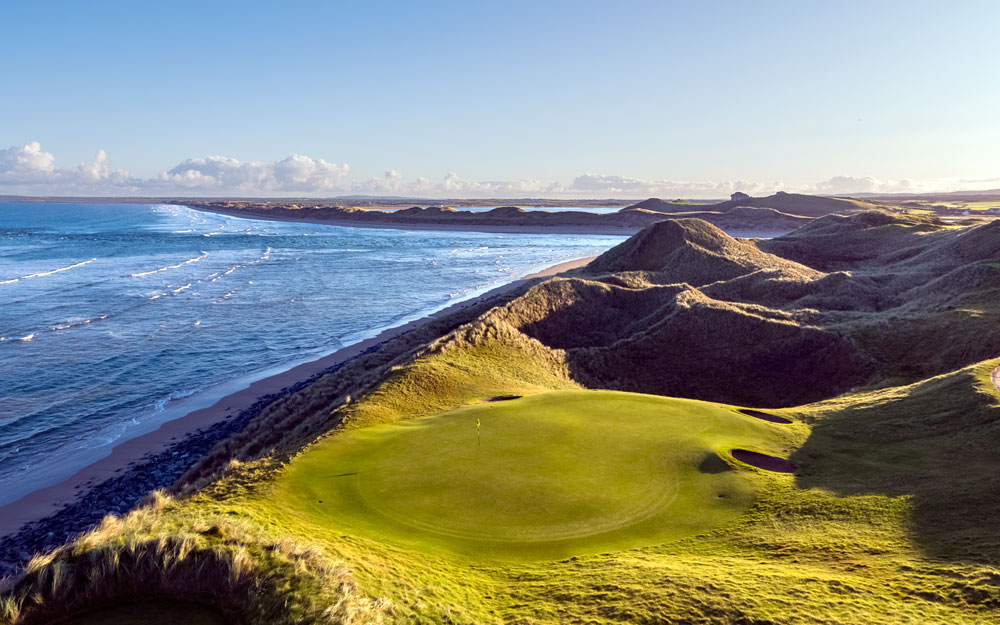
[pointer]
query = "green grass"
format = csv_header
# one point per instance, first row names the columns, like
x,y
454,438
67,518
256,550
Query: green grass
x,y
887,521
458,375
556,474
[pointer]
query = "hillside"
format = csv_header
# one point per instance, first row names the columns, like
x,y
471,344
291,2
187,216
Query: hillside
x,y
795,204
503,218
692,428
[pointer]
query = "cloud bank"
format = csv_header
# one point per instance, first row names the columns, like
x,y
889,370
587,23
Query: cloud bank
x,y
28,170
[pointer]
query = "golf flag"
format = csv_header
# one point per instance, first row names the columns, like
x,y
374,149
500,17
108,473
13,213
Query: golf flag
x,y
479,441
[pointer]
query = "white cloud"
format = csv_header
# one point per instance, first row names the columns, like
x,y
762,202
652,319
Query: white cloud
x,y
390,183
843,185
25,163
623,186
218,174
452,186
100,172
28,170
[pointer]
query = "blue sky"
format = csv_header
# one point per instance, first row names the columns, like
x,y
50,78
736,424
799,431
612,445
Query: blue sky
x,y
574,99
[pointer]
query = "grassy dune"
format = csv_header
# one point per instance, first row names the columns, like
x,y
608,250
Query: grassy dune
x,y
795,204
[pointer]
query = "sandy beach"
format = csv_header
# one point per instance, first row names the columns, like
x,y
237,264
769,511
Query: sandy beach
x,y
126,453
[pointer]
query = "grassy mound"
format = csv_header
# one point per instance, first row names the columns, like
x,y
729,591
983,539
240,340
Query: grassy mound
x,y
790,203
211,569
692,251
551,475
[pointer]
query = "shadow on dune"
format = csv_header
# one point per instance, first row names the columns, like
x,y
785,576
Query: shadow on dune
x,y
936,442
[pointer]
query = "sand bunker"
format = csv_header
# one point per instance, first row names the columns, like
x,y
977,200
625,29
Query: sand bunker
x,y
504,398
773,418
763,461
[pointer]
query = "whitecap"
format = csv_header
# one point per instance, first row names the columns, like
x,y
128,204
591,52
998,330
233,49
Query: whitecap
x,y
186,262
49,273
77,322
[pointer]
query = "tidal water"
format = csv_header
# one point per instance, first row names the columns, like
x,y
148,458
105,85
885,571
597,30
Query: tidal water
x,y
111,314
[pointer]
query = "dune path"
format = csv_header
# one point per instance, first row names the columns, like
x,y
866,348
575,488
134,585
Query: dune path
x,y
995,376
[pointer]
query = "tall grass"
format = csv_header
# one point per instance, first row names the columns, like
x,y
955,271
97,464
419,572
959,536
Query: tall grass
x,y
221,563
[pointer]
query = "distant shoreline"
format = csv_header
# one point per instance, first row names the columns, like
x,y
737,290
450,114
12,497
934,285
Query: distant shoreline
x,y
748,233
173,436
354,223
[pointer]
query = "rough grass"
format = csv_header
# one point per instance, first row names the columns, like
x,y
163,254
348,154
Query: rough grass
x,y
461,370
225,565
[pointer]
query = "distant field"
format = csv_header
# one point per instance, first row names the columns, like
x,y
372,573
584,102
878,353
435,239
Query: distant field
x,y
550,476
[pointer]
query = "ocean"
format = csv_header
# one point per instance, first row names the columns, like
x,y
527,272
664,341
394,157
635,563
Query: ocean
x,y
114,318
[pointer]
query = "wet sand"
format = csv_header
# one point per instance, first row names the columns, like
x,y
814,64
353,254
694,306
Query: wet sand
x,y
47,500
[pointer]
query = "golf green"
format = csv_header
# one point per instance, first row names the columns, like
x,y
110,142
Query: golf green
x,y
543,476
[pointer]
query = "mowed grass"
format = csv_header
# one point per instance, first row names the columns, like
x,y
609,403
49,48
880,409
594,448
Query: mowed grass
x,y
547,476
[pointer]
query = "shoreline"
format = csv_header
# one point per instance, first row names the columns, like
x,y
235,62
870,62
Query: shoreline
x,y
349,223
147,453
739,233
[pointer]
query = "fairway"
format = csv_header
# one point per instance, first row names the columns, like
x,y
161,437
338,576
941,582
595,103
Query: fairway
x,y
546,476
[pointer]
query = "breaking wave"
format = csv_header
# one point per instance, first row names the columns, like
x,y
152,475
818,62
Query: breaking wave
x,y
49,273
178,265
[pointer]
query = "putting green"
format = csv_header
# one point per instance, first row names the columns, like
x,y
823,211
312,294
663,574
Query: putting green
x,y
549,476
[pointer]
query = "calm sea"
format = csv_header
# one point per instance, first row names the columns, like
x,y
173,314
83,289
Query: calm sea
x,y
110,315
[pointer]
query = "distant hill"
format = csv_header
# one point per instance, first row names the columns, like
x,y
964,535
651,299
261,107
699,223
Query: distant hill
x,y
657,205
510,218
789,203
